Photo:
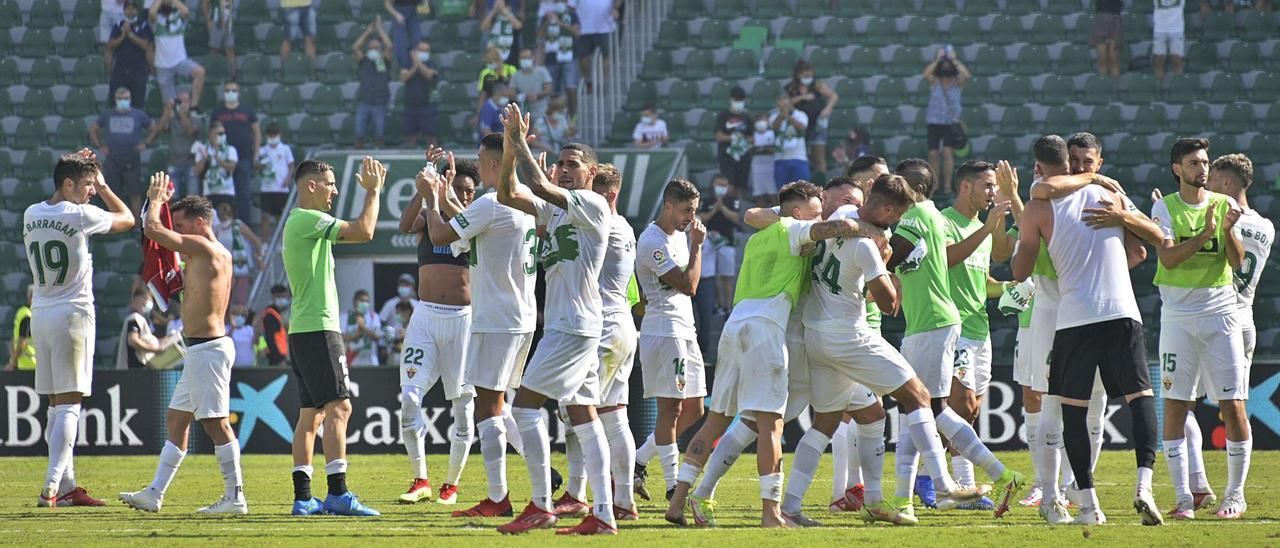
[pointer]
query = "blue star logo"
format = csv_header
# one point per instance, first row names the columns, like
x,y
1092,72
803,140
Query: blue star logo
x,y
260,405
1260,404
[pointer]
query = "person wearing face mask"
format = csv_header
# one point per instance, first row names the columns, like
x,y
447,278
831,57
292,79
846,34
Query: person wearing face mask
x,y
489,119
532,84
406,28
650,131
169,19
244,135
733,127
502,23
128,130
817,100
128,49
946,76
219,15
240,328
275,326
764,144
420,79
405,291
495,71
215,163
559,25
554,129
720,214
245,247
361,329
137,343
371,52
275,173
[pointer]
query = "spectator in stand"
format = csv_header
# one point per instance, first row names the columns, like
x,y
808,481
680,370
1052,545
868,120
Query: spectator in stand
x,y
597,19
183,125
489,119
855,145
406,28
129,50
406,292
243,134
110,16
403,313
245,247
275,174
503,27
790,124
704,304
946,76
137,342
1108,35
733,127
816,99
720,215
169,22
421,117
275,326
299,24
372,54
22,349
362,331
215,165
1168,38
1230,6
495,71
553,130
532,85
556,34
650,131
242,334
218,16
764,148
128,132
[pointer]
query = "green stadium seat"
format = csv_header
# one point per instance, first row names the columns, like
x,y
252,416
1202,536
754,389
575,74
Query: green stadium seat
x,y
45,72
688,10
1057,90
978,8
44,14
714,33
1075,59
797,29
906,61
719,93
698,64
1005,29
673,34
855,8
70,135
1016,121
657,66
988,60
880,31
1063,7
1000,148
1226,87
313,131
284,101
1194,119
825,62
1149,119
888,92
978,120
811,9
270,38
920,31
1182,88
37,42
1061,120
1216,26
1131,151
1201,57
1047,29
764,96
837,33
729,9
1098,89
1137,24
1014,90
1236,118
741,63
368,9
79,42
938,6
37,103
254,69
780,63
327,99
79,103
965,29
1266,86
769,9
885,123
1107,119
677,128
1257,29
683,95
29,134
9,70
255,11
296,69
701,155
895,8
1031,60
863,62
10,11
197,41
1243,57
1141,88
331,12
752,37
639,94
215,68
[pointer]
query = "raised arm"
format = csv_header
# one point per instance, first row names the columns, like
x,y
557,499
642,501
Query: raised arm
x,y
1030,231
159,192
1058,186
961,250
438,228
371,176
122,218
516,125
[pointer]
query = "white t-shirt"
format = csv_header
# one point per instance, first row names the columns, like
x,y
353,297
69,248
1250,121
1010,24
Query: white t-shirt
x,y
650,132
504,254
1093,268
171,40
56,238
1187,302
1257,234
1167,16
275,162
841,270
764,138
216,179
791,139
572,255
596,16
242,337
777,308
619,264
668,312
364,347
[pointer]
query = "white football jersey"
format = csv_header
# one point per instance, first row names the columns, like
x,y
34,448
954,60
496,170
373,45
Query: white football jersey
x,y
572,255
619,264
1256,233
504,269
56,238
668,312
841,269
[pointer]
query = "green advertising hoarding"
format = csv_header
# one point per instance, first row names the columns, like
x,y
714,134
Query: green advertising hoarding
x,y
644,174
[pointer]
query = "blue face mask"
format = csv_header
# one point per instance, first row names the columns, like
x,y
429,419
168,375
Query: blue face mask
x,y
362,307
123,104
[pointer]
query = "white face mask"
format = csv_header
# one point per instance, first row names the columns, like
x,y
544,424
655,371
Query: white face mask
x,y
237,320
721,191
374,54
404,291
562,7
738,105
282,303
146,307
424,56
762,126
123,104
526,64
231,96
502,101
273,141
807,80
648,120
221,140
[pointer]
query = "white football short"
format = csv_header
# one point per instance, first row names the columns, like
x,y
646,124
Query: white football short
x,y
204,389
931,355
672,368
1022,357
495,361
751,372
617,358
1204,349
1044,327
843,368
799,391
435,348
1250,332
973,364
565,368
64,336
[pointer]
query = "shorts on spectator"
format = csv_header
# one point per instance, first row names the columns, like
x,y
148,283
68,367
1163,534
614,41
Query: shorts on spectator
x,y
940,136
817,135
1169,43
787,171
1107,27
563,75
222,39
273,202
587,44
167,77
423,120
299,23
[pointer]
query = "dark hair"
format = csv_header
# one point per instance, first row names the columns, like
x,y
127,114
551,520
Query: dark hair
x,y
840,181
273,129
230,82
918,174
864,163
1086,140
141,292
1185,146
798,190
801,66
973,168
680,190
946,68
1050,150
1238,165
195,207
893,190
737,93
404,305
649,106
492,142
588,153
464,168
73,166
309,169
360,293
607,178
278,289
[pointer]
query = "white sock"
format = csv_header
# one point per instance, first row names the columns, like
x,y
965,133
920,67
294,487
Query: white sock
x,y
803,466
335,466
840,451
924,432
962,471
575,481
1097,410
1090,498
595,451
68,483
62,438
229,461
731,445
509,422
1175,456
871,457
1238,454
771,487
1031,425
170,460
669,458
493,447
537,454
1143,485
412,429
853,457
906,459
688,473
1050,446
1195,456
966,441
460,438
622,454
646,451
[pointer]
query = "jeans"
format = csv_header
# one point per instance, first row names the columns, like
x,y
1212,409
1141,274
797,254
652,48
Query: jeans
x,y
375,114
704,307
405,37
563,75
787,171
184,180
242,177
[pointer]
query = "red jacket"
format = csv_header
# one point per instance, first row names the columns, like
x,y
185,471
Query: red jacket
x,y
160,269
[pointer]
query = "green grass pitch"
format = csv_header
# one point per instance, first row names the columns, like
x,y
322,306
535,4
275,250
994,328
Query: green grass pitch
x,y
378,479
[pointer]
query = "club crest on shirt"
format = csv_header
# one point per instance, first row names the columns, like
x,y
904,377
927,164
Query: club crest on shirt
x,y
659,256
